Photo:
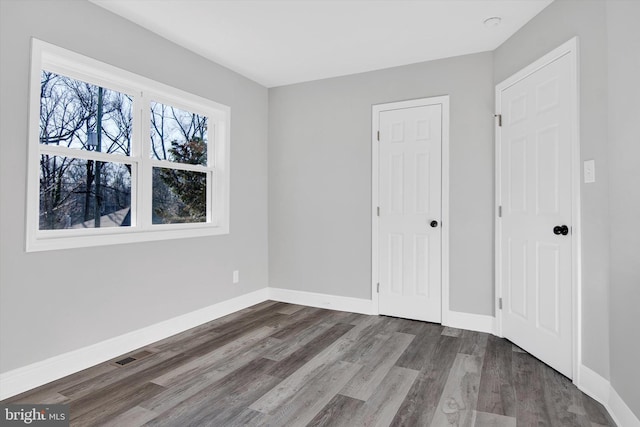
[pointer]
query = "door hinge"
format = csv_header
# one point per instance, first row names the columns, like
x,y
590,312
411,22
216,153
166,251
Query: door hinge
x,y
499,211
378,288
499,117
378,210
499,303
378,135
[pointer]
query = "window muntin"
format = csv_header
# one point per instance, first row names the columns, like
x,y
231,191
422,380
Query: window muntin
x,y
140,195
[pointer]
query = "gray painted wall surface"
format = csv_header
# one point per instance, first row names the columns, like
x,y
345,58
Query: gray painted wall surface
x,y
556,24
58,301
320,177
624,143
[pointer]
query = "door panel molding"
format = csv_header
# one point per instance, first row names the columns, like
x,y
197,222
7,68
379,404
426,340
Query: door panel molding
x,y
547,93
443,101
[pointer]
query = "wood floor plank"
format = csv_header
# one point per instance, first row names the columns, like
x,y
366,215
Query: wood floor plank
x,y
559,400
419,406
232,406
209,360
460,394
293,343
300,408
299,321
239,386
252,320
383,405
108,378
331,354
297,359
186,387
420,352
249,417
531,409
452,332
133,417
418,328
179,344
290,309
474,343
369,343
497,393
96,409
186,338
338,412
370,337
486,419
375,370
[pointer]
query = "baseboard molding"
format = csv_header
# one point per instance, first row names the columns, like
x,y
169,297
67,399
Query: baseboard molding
x,y
600,389
620,412
333,302
25,378
470,321
593,384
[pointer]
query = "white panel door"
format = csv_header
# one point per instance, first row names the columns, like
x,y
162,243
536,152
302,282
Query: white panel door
x,y
535,228
410,232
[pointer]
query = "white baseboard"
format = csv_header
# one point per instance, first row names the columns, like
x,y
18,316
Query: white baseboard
x,y
470,321
593,384
600,389
333,302
620,412
25,378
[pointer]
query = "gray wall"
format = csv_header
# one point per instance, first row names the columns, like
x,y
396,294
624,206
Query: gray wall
x,y
624,152
556,24
320,177
58,301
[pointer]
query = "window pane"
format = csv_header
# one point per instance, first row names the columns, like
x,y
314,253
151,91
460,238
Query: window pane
x,y
178,135
78,193
83,116
179,196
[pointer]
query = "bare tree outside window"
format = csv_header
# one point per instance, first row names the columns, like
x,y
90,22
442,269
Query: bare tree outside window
x,y
77,192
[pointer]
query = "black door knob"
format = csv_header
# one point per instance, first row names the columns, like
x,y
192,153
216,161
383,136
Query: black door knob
x,y
434,223
561,229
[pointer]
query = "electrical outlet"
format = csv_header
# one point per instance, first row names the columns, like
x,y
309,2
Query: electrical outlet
x,y
236,276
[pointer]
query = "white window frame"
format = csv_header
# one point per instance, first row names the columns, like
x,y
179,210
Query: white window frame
x,y
62,61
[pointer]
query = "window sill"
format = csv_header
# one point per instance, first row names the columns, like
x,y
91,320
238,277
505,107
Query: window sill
x,y
44,241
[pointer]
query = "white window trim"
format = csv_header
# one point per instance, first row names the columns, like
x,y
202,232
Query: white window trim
x,y
63,61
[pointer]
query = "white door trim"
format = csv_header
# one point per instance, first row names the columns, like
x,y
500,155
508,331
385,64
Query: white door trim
x,y
569,48
375,114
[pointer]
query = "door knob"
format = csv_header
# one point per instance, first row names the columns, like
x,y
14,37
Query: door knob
x,y
434,223
561,229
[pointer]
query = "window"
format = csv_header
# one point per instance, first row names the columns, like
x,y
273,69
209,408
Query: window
x,y
115,157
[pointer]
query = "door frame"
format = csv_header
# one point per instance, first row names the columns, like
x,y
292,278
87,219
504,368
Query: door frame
x,y
375,160
569,48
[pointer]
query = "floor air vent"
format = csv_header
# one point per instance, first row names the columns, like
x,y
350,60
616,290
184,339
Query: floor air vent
x,y
125,361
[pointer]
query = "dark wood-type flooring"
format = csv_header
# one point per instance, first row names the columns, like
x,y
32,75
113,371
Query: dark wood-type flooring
x,y
277,364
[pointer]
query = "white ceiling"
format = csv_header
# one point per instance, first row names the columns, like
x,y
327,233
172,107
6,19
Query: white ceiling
x,y
280,42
